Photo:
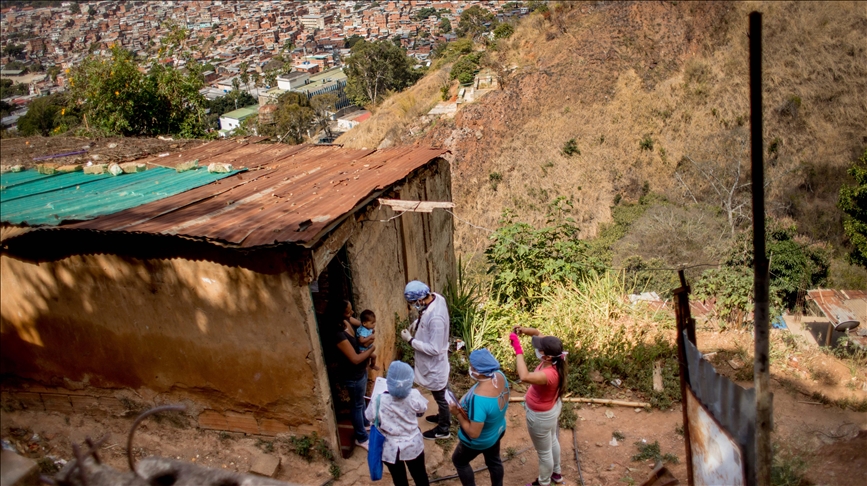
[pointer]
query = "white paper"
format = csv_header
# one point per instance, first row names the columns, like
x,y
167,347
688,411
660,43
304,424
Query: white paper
x,y
379,386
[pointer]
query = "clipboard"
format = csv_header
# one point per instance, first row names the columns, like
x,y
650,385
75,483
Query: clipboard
x,y
451,398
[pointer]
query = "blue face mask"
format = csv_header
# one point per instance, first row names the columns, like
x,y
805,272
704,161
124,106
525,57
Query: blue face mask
x,y
419,306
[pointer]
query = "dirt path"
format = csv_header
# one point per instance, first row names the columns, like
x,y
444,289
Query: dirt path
x,y
827,440
835,453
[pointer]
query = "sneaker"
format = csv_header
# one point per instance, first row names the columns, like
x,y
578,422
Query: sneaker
x,y
557,478
433,419
432,434
363,445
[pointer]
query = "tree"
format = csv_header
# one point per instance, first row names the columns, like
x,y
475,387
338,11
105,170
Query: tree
x,y
75,8
464,70
445,26
117,98
244,76
853,202
293,117
503,31
13,50
257,80
323,105
375,68
424,13
475,21
271,78
41,119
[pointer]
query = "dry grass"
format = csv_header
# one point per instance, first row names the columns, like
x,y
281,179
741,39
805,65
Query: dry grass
x,y
391,120
674,73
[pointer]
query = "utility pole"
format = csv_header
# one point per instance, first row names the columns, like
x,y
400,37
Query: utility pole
x,y
761,275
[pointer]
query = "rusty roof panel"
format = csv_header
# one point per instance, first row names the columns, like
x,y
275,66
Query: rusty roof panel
x,y
836,305
291,194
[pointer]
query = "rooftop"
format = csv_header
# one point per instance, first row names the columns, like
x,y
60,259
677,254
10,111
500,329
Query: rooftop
x,y
241,113
288,194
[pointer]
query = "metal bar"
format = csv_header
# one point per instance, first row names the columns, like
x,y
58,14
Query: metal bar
x,y
55,156
761,277
682,296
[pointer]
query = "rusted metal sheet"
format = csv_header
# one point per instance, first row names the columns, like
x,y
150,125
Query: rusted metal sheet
x,y
716,456
292,194
839,306
733,409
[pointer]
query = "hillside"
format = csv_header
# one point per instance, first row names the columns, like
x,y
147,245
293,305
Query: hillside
x,y
656,97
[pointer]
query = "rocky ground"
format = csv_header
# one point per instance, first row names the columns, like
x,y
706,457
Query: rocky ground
x,y
826,440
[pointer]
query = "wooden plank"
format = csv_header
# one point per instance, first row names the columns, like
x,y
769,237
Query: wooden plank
x,y
415,206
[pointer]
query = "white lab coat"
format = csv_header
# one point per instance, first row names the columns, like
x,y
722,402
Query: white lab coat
x,y
431,344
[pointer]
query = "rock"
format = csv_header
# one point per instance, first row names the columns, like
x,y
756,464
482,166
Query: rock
x,y
69,168
614,442
220,168
189,165
133,167
599,444
609,414
46,169
17,470
265,465
112,145
596,376
96,169
736,365
114,169
95,156
639,410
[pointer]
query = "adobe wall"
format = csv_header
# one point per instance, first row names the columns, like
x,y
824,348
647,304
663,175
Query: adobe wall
x,y
79,332
385,255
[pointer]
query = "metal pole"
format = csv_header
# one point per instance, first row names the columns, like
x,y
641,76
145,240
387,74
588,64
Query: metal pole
x,y
682,317
761,367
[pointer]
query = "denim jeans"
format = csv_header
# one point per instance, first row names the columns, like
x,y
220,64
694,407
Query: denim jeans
x,y
357,389
543,431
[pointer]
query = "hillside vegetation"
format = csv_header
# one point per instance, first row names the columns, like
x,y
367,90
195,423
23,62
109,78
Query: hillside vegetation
x,y
609,104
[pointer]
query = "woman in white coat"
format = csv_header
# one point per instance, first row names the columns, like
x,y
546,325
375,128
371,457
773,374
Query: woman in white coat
x,y
399,409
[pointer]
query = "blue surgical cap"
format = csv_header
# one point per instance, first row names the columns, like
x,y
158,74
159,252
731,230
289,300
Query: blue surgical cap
x,y
415,290
399,379
484,362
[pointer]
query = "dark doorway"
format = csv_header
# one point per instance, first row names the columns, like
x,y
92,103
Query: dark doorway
x,y
333,287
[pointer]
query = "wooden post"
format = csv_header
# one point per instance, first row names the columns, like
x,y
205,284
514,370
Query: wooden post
x,y
761,276
682,317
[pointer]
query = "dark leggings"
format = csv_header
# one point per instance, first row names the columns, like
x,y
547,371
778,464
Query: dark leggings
x,y
463,455
416,469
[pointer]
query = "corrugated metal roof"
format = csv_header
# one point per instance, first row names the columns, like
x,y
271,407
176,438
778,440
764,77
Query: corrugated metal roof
x,y
290,194
836,304
33,199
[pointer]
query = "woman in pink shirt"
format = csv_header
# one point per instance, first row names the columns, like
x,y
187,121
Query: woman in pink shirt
x,y
542,400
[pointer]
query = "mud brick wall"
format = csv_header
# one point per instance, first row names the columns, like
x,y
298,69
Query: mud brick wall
x,y
219,337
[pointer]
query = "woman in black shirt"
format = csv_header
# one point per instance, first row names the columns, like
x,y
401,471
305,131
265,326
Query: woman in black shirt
x,y
352,369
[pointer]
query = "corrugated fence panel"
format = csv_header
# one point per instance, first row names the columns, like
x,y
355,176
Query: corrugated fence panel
x,y
733,406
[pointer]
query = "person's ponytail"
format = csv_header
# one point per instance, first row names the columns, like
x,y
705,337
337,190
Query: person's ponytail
x,y
561,374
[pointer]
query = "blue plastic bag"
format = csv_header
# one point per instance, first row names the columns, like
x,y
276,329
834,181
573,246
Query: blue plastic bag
x,y
374,447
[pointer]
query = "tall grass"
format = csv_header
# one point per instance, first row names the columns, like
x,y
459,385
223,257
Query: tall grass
x,y
600,330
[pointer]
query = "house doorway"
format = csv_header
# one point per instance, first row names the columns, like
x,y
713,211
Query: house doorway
x,y
334,286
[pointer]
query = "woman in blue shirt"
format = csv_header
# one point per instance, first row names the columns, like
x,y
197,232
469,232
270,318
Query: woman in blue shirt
x,y
482,415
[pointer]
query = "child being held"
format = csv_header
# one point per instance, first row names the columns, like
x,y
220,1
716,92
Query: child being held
x,y
365,336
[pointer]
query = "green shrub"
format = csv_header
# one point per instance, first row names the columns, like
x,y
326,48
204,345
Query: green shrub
x,y
570,148
646,143
523,260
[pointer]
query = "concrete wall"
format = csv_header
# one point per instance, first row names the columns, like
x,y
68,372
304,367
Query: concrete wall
x,y
234,343
385,255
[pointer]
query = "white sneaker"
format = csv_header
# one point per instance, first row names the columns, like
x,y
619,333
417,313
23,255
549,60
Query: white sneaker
x,y
363,445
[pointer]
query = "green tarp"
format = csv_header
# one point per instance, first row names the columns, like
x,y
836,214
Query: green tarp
x,y
34,199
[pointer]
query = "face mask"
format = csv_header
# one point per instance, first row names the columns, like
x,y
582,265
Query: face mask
x,y
538,354
470,372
